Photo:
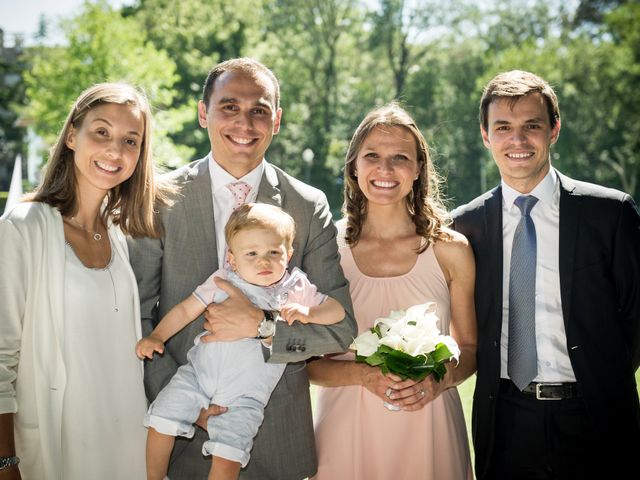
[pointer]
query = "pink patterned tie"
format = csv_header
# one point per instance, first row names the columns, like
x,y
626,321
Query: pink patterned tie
x,y
240,191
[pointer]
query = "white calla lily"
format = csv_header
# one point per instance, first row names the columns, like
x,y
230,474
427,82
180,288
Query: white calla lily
x,y
365,344
414,332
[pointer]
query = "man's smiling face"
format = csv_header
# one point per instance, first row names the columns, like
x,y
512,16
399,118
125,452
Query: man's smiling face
x,y
241,120
519,135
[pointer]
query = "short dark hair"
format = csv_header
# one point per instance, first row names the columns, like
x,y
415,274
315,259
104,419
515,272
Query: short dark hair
x,y
514,85
246,65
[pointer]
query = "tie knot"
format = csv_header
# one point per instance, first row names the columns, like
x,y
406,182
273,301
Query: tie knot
x,y
240,190
525,203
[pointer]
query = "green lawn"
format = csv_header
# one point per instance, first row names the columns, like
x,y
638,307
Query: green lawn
x,y
3,200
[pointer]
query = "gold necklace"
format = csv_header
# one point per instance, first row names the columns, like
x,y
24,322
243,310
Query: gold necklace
x,y
97,237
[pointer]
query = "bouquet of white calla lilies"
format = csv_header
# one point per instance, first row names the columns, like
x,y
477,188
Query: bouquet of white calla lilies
x,y
408,344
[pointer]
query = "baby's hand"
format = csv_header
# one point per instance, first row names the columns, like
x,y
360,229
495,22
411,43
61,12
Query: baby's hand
x,y
147,346
293,311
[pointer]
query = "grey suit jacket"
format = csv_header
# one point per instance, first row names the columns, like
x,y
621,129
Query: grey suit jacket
x,y
169,269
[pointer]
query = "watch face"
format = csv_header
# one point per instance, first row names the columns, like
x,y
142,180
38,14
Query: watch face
x,y
268,326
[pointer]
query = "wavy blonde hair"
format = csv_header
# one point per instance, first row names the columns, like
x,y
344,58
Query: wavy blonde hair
x,y
132,204
423,202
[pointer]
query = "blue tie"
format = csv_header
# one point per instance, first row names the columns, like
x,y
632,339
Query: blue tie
x,y
523,357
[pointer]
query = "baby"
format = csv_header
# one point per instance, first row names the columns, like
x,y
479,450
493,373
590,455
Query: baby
x,y
232,374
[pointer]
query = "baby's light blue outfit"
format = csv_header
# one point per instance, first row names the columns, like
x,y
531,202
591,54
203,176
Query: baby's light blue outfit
x,y
230,374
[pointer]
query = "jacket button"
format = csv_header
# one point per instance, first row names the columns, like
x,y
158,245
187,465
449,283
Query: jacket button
x,y
495,344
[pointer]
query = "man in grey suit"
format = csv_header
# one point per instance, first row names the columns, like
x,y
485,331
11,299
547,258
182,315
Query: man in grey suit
x,y
240,109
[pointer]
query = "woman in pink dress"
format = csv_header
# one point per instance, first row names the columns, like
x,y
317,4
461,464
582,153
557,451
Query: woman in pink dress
x,y
396,252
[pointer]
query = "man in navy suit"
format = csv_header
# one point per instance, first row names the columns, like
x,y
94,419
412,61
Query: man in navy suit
x,y
577,415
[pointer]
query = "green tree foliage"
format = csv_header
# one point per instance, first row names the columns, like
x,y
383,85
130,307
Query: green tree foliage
x,y
443,94
593,12
196,35
337,59
12,98
404,31
310,46
101,46
595,80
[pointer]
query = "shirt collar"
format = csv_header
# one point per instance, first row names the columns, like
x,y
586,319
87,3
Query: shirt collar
x,y
544,191
220,178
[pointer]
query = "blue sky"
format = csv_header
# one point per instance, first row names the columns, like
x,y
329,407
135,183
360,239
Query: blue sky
x,y
22,16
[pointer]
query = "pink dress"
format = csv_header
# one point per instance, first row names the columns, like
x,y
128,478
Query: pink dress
x,y
357,437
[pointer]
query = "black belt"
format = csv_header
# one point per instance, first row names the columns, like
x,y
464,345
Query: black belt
x,y
545,391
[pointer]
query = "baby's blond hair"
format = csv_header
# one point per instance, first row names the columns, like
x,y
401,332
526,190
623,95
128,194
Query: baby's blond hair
x,y
261,215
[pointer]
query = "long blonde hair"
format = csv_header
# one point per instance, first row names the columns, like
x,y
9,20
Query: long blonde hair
x,y
423,202
131,204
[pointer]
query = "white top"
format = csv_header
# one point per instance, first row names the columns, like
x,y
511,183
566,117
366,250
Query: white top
x,y
554,364
33,373
102,432
223,200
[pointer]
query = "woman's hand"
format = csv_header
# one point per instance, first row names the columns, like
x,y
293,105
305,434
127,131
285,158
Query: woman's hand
x,y
411,395
11,473
378,383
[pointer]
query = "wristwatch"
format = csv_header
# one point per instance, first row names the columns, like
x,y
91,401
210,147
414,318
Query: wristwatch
x,y
7,462
267,326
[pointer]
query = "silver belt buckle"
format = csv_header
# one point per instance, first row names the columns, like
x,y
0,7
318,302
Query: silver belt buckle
x,y
539,386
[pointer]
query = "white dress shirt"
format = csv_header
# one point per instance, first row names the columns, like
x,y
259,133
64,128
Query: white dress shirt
x,y
223,200
551,339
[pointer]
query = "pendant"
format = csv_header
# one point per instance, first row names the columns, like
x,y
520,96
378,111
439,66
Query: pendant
x,y
97,237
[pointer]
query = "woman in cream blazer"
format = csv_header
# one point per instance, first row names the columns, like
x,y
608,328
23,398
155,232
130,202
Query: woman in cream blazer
x,y
71,389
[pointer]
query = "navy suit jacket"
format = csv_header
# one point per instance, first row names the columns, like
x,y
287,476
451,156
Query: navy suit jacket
x,y
600,294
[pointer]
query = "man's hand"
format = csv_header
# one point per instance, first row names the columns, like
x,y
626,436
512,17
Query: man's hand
x,y
209,412
233,319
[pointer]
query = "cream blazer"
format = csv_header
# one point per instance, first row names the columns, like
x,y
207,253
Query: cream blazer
x,y
32,371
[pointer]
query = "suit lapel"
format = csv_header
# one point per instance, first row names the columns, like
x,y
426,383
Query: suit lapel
x,y
493,231
199,199
269,189
570,214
